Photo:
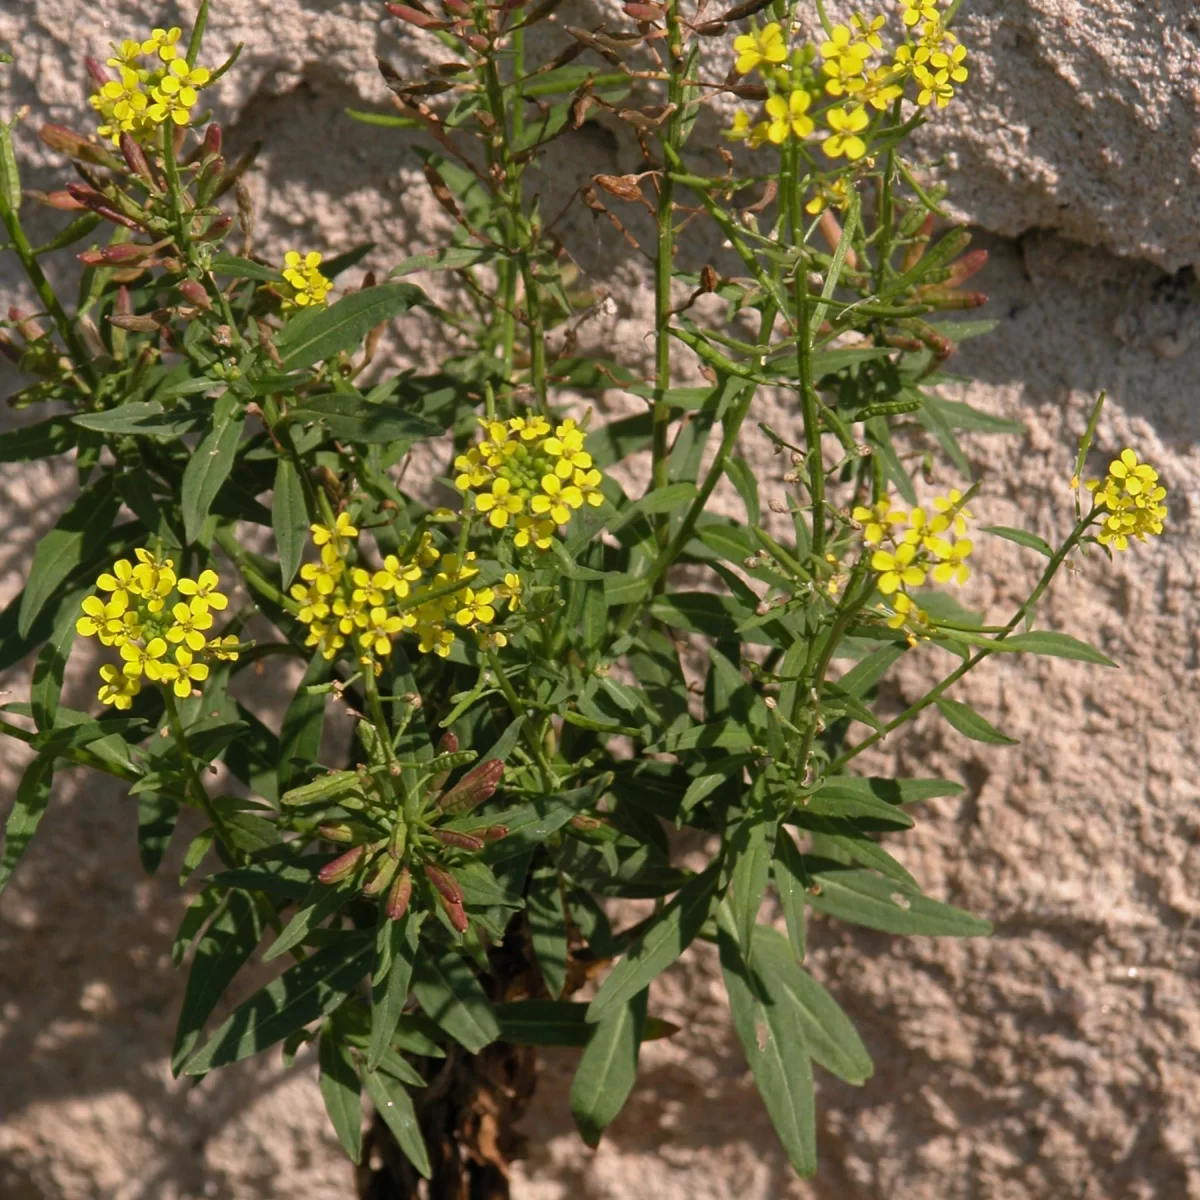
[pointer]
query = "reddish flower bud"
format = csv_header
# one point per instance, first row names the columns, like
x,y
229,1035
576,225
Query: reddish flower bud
x,y
216,230
212,139
337,831
63,201
462,841
399,896
343,866
135,323
414,17
445,883
458,918
99,75
970,264
949,299
491,833
476,786
121,254
67,141
194,291
915,250
135,159
91,199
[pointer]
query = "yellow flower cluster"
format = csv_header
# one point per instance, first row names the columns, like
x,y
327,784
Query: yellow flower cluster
x,y
529,474
911,546
158,623
1133,498
930,56
424,592
143,97
306,283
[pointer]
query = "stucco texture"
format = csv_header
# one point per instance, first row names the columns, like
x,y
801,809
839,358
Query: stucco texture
x,y
1060,1057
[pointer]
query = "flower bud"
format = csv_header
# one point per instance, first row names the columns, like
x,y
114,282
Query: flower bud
x,y
136,161
413,16
63,201
212,140
461,841
194,291
476,786
447,745
135,323
969,264
381,876
121,254
458,918
98,74
337,831
445,883
491,833
399,896
217,229
915,250
75,145
343,866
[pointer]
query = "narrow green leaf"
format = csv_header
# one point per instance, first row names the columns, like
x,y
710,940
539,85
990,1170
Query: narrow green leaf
x,y
244,268
52,662
1022,538
608,1067
791,881
221,953
829,1034
659,945
210,463
147,418
199,911
303,723
302,994
389,994
318,334
772,1038
341,1091
395,1106
157,816
356,419
451,258
289,519
545,1023
751,866
43,440
450,995
320,904
868,899
834,798
970,724
66,546
1057,645
548,928
33,794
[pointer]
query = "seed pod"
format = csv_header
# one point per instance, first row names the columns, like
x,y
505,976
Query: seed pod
x,y
462,841
491,833
337,831
343,866
399,896
381,876
445,883
476,786
325,788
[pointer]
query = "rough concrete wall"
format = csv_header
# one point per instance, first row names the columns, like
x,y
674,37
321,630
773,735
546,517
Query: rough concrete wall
x,y
1060,1057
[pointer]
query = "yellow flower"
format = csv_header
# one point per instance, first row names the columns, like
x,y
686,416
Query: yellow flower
x,y
788,116
342,528
500,503
1133,496
118,689
826,194
953,564
380,628
190,620
876,519
511,590
950,511
919,10
224,648
105,621
934,88
847,124
759,46
176,95
868,31
476,606
742,130
896,569
205,590
308,285
164,43
904,609
139,658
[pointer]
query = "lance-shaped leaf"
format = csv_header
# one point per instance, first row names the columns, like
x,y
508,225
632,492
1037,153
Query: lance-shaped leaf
x,y
447,989
608,1068
398,940
341,1089
210,463
33,795
395,1106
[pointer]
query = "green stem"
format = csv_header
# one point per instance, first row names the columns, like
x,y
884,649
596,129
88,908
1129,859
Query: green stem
x,y
175,188
664,270
532,741
196,785
228,542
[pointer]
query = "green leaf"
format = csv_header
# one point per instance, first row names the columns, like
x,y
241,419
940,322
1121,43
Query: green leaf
x,y
868,899
450,258
608,1067
448,991
1057,645
659,944
210,463
840,797
548,928
962,416
75,735
33,794
1022,538
46,438
970,724
791,880
829,1034
742,477
318,334
199,911
849,840
303,723
321,903
773,1041
751,866
660,500
395,1106
389,994
145,417
289,519
221,953
341,1091
302,994
52,662
157,816
545,1023
67,545
244,268
356,419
